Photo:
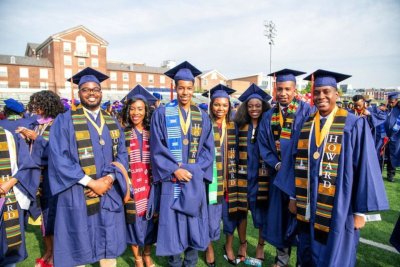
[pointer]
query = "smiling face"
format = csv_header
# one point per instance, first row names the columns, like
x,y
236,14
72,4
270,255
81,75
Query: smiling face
x,y
325,99
137,112
285,92
184,91
90,95
254,108
220,107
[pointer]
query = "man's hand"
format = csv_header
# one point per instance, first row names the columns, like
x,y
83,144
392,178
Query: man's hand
x,y
90,193
359,221
292,206
27,133
101,185
183,175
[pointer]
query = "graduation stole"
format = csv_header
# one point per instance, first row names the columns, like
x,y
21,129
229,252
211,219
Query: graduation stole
x,y
216,188
327,173
14,117
139,172
174,140
10,214
282,127
85,148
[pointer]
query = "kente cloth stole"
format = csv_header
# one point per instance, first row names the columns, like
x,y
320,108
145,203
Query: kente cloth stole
x,y
85,149
282,127
174,136
328,171
139,172
10,214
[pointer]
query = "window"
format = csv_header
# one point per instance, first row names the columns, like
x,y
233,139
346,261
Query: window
x,y
67,60
125,76
3,84
44,74
48,49
162,79
95,63
24,85
113,76
151,78
94,50
12,60
81,46
81,62
3,72
67,47
113,86
204,82
125,86
44,85
67,73
138,78
23,72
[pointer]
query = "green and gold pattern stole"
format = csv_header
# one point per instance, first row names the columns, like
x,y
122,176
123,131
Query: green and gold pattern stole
x,y
130,207
216,188
328,171
282,127
196,130
85,148
10,210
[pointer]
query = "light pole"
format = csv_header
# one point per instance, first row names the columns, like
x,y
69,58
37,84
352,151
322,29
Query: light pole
x,y
270,33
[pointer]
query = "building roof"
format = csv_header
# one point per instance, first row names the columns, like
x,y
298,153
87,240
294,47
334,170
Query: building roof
x,y
32,46
122,66
248,76
207,72
25,61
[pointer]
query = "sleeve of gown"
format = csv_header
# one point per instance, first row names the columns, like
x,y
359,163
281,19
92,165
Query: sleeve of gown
x,y
162,161
368,188
40,151
64,168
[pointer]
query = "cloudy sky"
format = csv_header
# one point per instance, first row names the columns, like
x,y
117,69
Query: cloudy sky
x,y
357,37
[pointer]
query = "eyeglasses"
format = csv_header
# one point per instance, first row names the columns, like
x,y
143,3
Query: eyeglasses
x,y
95,90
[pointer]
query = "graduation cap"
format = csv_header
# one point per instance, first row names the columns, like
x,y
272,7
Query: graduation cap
x,y
14,105
326,78
368,101
141,93
339,102
183,72
393,95
203,106
254,92
88,75
219,91
157,95
286,75
106,104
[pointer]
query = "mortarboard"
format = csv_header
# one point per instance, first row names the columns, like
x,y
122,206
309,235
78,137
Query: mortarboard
x,y
157,95
235,104
88,75
106,104
183,72
393,95
141,93
368,100
286,75
203,106
326,78
219,91
14,105
339,102
254,92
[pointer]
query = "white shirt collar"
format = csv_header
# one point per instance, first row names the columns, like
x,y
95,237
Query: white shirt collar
x,y
94,113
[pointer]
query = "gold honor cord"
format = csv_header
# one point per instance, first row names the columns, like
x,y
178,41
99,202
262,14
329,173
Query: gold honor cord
x,y
280,117
184,125
223,132
98,129
321,134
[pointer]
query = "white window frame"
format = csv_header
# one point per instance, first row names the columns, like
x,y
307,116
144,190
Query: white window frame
x,y
113,76
23,85
94,50
23,72
95,62
67,47
162,79
125,77
44,85
113,87
81,62
3,71
67,60
44,73
150,78
3,84
67,73
138,77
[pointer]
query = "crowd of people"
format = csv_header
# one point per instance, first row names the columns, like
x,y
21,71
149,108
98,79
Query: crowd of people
x,y
167,177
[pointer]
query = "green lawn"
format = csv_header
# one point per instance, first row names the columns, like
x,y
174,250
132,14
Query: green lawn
x,y
366,256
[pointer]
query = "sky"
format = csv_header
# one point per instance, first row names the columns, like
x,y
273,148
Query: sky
x,y
356,37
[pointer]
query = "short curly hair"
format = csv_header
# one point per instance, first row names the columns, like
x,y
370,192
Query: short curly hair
x,y
48,101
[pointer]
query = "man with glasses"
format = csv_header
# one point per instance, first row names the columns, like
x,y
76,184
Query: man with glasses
x,y
85,143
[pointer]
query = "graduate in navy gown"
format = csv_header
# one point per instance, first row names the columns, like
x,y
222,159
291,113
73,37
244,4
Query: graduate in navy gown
x,y
84,144
337,179
252,173
279,130
14,112
182,154
141,225
46,105
223,130
19,181
392,129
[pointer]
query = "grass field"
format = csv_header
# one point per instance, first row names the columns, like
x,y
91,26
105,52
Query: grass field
x,y
367,255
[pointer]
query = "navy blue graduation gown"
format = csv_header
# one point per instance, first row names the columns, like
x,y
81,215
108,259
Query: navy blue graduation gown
x,y
79,238
394,136
28,182
177,230
12,125
359,189
278,217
